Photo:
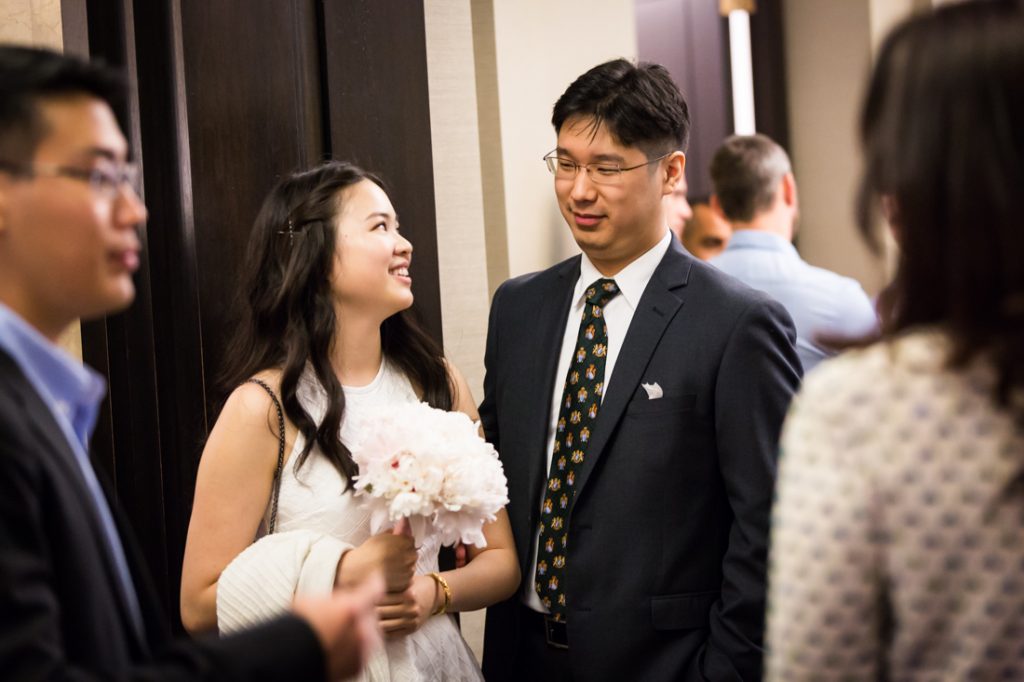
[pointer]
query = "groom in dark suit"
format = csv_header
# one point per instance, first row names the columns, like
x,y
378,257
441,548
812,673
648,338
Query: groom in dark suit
x,y
636,396
75,600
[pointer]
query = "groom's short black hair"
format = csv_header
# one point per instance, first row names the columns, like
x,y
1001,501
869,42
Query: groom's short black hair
x,y
640,104
29,75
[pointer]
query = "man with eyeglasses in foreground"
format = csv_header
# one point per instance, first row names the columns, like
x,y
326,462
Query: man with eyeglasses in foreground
x,y
635,395
75,601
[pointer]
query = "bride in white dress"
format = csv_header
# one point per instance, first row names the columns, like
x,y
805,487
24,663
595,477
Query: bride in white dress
x,y
324,326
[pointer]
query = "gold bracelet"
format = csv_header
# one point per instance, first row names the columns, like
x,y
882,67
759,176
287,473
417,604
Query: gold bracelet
x,y
443,584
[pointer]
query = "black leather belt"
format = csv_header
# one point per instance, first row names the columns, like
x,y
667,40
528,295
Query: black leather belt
x,y
556,633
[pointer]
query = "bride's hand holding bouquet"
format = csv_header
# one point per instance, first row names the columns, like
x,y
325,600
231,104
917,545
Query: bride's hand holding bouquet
x,y
390,553
426,473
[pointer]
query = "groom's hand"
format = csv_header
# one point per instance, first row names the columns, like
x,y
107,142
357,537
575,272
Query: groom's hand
x,y
393,555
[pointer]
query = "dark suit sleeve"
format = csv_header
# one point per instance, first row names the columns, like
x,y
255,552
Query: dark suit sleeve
x,y
500,638
488,408
31,639
758,375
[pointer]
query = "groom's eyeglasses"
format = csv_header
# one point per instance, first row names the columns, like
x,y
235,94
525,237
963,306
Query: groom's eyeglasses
x,y
599,172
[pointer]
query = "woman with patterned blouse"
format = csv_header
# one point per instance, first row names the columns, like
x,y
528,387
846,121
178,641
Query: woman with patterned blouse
x,y
898,537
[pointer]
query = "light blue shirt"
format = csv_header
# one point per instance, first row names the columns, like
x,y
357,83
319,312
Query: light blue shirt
x,y
73,393
818,300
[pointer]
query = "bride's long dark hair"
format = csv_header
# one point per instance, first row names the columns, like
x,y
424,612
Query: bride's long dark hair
x,y
285,309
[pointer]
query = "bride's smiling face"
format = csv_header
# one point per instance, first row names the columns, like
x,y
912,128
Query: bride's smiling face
x,y
371,260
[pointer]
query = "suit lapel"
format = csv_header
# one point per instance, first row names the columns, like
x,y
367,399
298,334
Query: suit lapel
x,y
546,345
660,302
51,436
55,446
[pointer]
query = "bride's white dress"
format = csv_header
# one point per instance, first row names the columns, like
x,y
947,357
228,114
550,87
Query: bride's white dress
x,y
314,498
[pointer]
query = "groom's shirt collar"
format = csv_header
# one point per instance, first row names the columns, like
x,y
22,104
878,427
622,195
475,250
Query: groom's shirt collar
x,y
632,280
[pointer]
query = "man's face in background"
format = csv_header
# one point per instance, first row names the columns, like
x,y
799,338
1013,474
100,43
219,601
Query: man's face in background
x,y
677,209
705,234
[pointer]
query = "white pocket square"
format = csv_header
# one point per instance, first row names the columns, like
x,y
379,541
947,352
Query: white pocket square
x,y
653,391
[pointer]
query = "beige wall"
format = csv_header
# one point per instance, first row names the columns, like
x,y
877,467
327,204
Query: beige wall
x,y
489,129
829,49
31,22
887,13
539,48
458,194
828,57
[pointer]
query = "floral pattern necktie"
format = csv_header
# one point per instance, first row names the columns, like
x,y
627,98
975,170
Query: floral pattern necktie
x,y
581,399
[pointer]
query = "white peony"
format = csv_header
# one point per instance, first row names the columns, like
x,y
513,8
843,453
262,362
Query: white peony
x,y
431,467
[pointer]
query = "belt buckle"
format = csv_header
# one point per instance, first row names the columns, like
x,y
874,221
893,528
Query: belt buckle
x,y
556,633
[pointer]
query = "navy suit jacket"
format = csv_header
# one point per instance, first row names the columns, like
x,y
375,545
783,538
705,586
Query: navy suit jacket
x,y
62,615
668,532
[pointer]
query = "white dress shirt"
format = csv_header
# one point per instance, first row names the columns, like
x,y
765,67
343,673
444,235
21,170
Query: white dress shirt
x,y
632,280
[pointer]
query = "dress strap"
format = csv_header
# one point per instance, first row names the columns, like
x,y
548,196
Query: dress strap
x,y
276,491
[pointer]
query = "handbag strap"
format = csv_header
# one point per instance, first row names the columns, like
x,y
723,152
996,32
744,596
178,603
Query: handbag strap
x,y
276,492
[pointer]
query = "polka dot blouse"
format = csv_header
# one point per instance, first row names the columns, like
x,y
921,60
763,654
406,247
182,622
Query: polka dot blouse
x,y
898,529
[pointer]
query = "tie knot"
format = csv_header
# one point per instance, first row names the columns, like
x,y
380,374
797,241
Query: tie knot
x,y
602,291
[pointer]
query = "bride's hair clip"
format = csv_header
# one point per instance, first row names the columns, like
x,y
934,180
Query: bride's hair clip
x,y
291,232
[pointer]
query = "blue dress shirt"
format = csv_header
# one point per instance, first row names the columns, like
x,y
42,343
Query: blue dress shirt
x,y
73,393
818,300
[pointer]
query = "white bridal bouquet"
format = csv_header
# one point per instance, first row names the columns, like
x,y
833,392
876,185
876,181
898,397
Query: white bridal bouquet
x,y
431,467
